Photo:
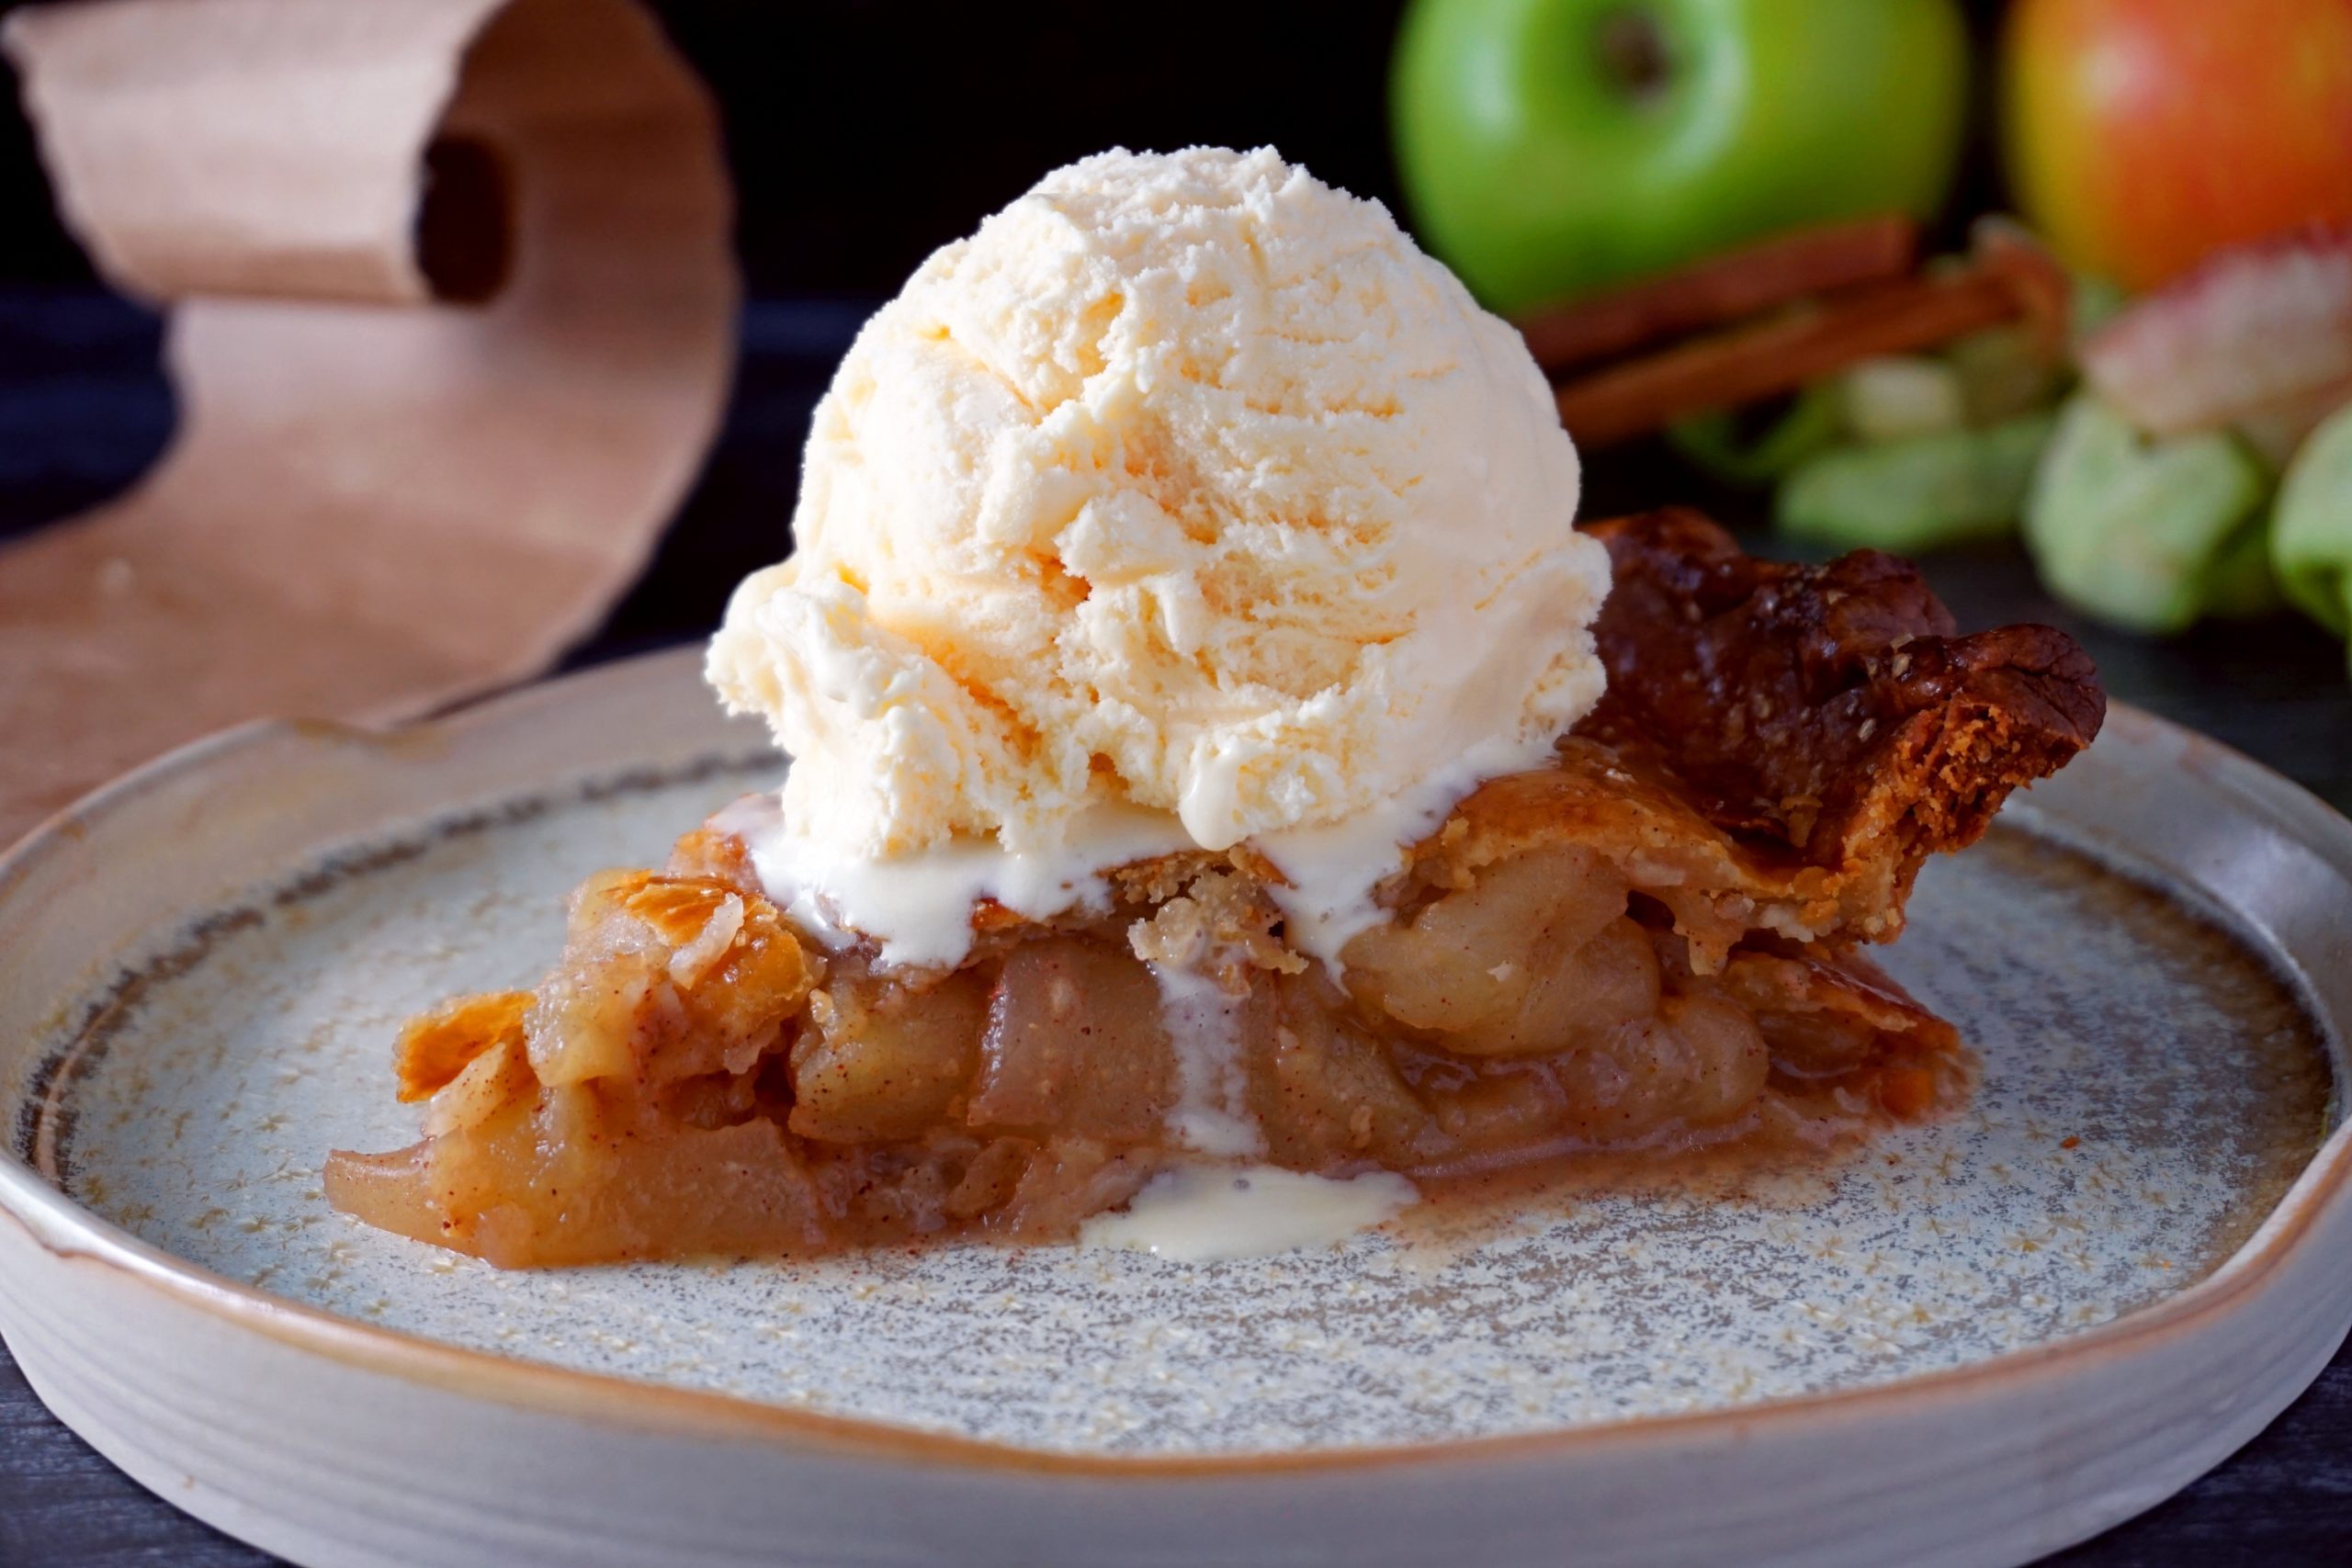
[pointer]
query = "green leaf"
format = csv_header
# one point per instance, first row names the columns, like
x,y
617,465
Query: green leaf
x,y
1814,421
2242,586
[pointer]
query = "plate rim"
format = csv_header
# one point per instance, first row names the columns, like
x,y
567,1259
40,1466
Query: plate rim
x,y
71,1233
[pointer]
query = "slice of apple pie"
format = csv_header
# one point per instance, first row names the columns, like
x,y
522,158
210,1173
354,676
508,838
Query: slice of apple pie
x,y
1654,942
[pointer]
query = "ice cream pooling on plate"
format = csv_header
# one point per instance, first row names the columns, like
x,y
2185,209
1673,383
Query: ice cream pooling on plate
x,y
1185,502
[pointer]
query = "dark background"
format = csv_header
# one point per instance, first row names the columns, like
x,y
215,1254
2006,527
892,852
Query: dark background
x,y
862,135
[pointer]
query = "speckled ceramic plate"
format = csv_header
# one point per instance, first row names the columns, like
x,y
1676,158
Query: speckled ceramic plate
x,y
1970,1344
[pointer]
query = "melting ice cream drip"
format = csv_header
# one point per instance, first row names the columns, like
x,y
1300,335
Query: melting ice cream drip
x,y
1212,1110
1200,1213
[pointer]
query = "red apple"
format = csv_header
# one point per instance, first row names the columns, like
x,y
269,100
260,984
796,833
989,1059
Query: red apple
x,y
2141,135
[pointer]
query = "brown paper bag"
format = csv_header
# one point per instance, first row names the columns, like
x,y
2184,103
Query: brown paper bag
x,y
452,322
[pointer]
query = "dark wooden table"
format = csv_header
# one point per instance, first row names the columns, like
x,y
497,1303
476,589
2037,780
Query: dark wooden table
x,y
82,411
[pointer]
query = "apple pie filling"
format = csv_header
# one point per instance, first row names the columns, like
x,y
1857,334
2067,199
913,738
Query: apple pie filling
x,y
695,1078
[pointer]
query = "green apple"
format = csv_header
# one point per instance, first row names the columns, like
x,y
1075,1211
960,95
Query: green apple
x,y
1552,147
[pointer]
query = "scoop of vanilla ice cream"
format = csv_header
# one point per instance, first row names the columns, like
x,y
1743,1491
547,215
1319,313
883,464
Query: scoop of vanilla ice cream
x,y
1187,483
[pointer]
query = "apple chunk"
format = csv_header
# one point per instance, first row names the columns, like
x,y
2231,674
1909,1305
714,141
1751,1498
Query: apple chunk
x,y
2311,537
2147,534
2259,337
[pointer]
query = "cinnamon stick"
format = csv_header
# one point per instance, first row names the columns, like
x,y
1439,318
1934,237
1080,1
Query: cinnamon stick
x,y
2007,281
1722,289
